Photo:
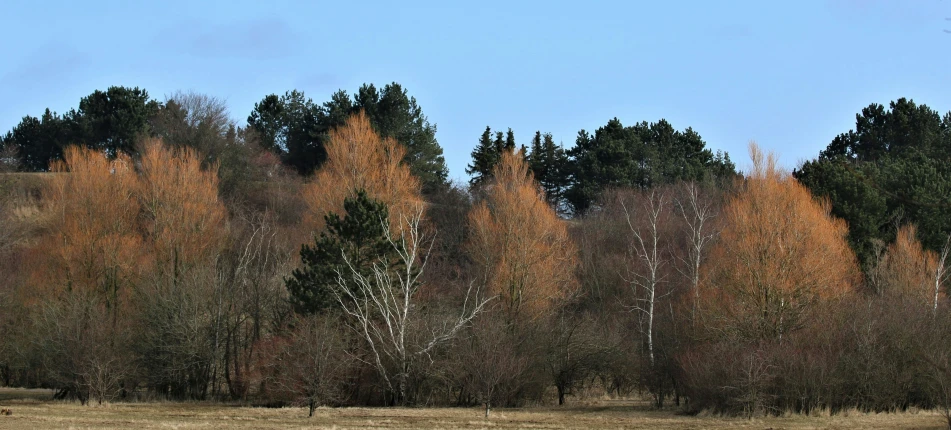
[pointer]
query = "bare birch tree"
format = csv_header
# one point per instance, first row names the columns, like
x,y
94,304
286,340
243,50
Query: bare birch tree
x,y
698,215
383,307
941,272
649,257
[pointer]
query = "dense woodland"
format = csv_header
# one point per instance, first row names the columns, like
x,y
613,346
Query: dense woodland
x,y
316,254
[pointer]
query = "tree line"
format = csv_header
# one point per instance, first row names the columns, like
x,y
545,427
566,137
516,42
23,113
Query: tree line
x,y
296,129
317,255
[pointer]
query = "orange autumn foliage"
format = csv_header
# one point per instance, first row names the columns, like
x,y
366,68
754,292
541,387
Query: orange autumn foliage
x,y
184,217
907,270
780,253
521,246
93,243
359,159
109,225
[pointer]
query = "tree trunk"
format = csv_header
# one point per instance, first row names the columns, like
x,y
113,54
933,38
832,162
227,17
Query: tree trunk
x,y
650,325
313,405
561,395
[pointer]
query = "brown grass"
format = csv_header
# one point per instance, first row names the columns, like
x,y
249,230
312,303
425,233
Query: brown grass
x,y
33,409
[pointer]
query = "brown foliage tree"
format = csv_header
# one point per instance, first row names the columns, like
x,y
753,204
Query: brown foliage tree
x,y
184,217
908,271
519,244
142,246
94,243
359,159
180,301
84,271
780,253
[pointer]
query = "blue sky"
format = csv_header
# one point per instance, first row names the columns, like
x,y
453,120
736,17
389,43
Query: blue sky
x,y
790,75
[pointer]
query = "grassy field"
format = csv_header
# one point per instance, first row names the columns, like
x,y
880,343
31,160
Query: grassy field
x,y
32,409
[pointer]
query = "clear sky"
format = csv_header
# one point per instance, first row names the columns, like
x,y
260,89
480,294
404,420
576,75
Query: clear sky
x,y
789,74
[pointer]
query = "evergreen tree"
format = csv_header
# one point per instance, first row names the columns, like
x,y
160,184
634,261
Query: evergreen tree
x,y
484,158
509,141
290,126
610,157
534,157
548,163
894,168
111,121
297,128
38,141
360,235
395,114
643,155
499,143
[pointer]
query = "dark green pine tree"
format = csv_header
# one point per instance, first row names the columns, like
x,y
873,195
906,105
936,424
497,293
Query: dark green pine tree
x,y
498,144
611,157
360,235
893,168
548,163
487,154
395,114
111,121
642,156
484,157
290,126
509,141
114,120
38,141
535,156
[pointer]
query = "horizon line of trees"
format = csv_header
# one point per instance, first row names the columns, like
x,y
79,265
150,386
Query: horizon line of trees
x,y
296,129
191,259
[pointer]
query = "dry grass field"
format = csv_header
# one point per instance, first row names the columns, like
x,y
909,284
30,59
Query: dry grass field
x,y
32,410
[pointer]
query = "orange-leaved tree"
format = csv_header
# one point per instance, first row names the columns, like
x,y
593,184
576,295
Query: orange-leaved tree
x,y
119,242
85,271
780,253
908,271
93,243
359,159
184,218
181,301
520,245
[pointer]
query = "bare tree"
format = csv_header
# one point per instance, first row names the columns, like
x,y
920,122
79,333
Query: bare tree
x,y
491,362
941,272
697,214
383,306
82,350
310,366
573,347
254,296
650,257
194,120
907,270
